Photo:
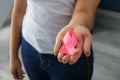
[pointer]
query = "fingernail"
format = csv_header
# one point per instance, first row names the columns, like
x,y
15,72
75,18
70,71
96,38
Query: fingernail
x,y
88,54
71,63
55,54
60,60
64,61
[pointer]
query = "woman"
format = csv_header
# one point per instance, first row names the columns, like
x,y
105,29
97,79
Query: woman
x,y
39,26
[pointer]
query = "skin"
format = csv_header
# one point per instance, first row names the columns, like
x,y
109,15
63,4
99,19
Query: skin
x,y
19,10
81,22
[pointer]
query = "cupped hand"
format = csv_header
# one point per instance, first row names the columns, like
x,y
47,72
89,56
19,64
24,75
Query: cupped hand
x,y
83,46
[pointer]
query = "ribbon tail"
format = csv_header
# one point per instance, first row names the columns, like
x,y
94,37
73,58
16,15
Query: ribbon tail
x,y
64,50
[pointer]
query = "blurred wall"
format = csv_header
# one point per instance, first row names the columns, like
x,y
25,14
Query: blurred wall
x,y
5,11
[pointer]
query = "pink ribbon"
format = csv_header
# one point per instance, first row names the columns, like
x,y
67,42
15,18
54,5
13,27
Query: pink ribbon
x,y
70,41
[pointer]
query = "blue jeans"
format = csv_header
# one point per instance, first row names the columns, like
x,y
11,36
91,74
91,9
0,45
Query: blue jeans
x,y
46,66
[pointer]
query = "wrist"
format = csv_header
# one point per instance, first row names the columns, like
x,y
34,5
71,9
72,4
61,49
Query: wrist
x,y
83,19
13,58
73,25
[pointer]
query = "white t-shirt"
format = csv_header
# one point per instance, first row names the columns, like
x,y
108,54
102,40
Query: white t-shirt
x,y
43,20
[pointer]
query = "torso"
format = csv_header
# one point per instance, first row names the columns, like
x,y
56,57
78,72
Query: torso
x,y
43,20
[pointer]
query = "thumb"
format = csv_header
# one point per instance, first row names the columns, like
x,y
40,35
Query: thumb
x,y
87,44
57,46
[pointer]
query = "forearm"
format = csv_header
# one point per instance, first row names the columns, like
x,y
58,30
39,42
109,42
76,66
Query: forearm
x,y
84,12
15,33
82,18
18,12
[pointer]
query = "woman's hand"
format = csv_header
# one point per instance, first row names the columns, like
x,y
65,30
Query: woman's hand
x,y
16,69
84,43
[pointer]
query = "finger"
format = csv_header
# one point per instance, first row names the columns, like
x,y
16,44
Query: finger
x,y
57,46
20,73
87,44
76,56
66,59
60,56
15,75
23,72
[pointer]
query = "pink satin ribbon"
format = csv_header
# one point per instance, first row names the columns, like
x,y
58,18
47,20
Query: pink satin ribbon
x,y
70,41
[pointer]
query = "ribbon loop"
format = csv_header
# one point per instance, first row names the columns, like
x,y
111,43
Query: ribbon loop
x,y
70,41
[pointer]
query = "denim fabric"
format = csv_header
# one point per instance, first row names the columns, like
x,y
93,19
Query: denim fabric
x,y
40,66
